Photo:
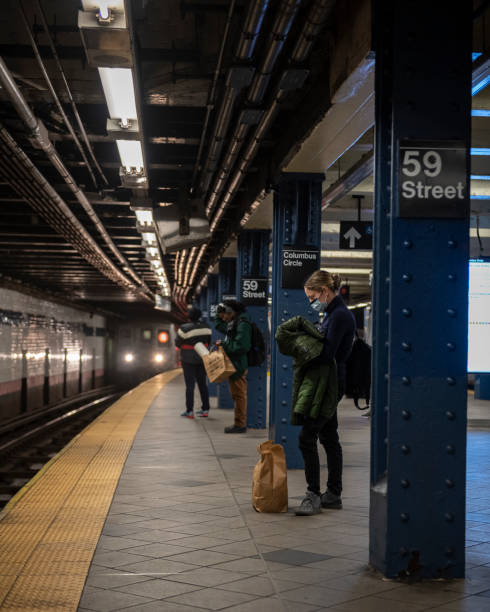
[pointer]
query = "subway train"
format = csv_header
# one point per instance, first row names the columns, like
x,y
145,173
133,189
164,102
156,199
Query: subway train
x,y
140,349
50,351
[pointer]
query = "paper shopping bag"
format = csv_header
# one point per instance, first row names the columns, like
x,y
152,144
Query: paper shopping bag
x,y
270,480
218,365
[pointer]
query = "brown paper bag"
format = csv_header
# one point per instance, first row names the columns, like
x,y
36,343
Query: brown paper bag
x,y
270,479
218,365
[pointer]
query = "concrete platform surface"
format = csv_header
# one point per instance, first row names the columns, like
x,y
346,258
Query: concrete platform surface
x,y
181,533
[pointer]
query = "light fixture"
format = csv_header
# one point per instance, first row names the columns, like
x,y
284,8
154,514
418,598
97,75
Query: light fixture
x,y
128,357
144,217
148,239
118,87
131,155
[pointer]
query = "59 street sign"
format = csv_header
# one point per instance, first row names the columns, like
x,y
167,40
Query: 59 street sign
x,y
253,291
432,180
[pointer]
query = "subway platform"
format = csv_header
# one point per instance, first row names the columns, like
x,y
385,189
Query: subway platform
x,y
148,511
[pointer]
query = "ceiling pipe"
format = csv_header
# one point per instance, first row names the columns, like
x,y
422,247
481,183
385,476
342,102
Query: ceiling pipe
x,y
54,95
40,135
282,25
212,93
26,180
70,96
315,20
244,52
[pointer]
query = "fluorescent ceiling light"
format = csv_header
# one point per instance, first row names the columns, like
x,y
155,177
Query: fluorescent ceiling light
x,y
480,177
479,151
479,112
348,254
480,85
152,251
131,154
149,238
144,217
345,271
118,87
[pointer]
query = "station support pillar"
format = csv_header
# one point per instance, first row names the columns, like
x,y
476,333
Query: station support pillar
x,y
296,244
203,303
482,386
252,282
212,299
420,293
227,290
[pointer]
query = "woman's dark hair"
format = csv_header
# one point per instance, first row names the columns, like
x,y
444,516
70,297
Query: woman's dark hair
x,y
234,305
194,314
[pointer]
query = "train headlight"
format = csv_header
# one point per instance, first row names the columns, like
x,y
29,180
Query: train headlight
x,y
158,358
128,357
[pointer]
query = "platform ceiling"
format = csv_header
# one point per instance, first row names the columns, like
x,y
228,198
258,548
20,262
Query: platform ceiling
x,y
206,134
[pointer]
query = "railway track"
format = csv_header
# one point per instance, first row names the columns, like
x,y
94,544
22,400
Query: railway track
x,y
29,441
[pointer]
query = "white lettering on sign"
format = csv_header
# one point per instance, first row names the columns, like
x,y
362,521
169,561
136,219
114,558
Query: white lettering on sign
x,y
419,190
431,161
253,294
296,258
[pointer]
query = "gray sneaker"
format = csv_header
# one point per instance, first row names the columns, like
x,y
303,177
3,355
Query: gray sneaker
x,y
330,500
310,505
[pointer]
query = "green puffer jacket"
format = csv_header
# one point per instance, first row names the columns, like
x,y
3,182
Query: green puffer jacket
x,y
237,342
314,387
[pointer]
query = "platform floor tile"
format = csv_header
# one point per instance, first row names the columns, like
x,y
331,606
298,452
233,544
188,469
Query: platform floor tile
x,y
183,504
49,530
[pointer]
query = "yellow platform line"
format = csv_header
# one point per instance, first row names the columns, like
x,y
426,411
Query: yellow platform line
x,y
49,530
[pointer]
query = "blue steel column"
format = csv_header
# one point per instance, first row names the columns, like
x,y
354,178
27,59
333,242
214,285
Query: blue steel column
x,y
253,263
226,289
296,224
212,301
417,512
203,303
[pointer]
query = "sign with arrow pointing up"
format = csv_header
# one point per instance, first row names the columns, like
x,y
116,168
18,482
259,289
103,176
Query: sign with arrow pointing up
x,y
356,235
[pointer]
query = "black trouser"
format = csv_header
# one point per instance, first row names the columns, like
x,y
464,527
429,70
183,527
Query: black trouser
x,y
195,372
324,430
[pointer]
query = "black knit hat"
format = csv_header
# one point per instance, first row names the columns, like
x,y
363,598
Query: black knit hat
x,y
194,313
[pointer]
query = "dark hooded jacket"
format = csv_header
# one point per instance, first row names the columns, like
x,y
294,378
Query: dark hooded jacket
x,y
314,386
237,342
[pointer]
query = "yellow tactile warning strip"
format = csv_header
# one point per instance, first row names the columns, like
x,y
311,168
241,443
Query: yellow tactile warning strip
x,y
49,531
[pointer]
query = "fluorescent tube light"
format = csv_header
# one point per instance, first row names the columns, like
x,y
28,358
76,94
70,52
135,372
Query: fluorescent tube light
x,y
144,217
131,154
118,87
478,112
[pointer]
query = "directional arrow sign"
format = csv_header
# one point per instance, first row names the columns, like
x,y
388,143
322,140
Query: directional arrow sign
x,y
352,235
356,235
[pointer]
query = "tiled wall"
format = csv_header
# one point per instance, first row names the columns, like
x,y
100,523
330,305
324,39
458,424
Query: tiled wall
x,y
29,326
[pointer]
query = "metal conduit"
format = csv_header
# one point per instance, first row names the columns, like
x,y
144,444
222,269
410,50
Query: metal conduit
x,y
314,22
26,179
70,96
39,133
55,95
29,182
282,24
210,103
246,46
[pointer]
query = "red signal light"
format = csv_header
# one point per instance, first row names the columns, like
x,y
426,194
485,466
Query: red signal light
x,y
163,337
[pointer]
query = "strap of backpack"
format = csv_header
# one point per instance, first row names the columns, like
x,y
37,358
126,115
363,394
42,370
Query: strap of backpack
x,y
356,402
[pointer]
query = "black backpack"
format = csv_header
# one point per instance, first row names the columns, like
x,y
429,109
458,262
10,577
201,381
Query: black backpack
x,y
256,354
358,373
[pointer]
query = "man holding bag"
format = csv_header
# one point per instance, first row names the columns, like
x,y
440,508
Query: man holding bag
x,y
232,320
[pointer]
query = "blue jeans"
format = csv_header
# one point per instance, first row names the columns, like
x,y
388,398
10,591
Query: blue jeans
x,y
195,372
